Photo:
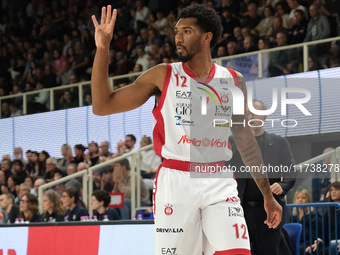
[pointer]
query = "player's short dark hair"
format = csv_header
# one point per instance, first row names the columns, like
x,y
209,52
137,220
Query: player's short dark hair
x,y
102,195
207,19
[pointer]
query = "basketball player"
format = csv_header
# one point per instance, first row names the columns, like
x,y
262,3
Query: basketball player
x,y
191,214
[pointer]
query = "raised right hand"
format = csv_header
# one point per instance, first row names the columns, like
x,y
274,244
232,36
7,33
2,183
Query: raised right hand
x,y
104,31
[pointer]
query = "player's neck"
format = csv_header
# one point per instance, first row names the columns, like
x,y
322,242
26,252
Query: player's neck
x,y
200,65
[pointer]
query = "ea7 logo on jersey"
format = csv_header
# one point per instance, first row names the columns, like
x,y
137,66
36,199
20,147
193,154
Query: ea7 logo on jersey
x,y
169,251
183,94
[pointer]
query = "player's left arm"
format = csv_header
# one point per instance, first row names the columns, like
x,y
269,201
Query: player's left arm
x,y
251,156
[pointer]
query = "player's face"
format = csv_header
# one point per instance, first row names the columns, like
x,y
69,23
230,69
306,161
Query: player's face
x,y
187,38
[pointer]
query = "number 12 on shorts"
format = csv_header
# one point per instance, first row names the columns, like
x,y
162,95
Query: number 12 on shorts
x,y
237,232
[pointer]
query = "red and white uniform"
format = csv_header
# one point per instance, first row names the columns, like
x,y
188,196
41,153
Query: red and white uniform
x,y
196,212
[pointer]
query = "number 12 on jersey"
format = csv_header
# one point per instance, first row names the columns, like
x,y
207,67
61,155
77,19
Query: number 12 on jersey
x,y
237,232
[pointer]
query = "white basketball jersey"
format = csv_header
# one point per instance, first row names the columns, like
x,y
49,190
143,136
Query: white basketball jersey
x,y
192,117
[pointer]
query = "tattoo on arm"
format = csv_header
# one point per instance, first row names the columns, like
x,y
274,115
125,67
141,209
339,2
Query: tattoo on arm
x,y
248,147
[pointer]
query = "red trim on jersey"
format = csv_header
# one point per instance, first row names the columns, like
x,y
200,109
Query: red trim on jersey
x,y
234,74
155,190
233,252
191,166
158,131
192,75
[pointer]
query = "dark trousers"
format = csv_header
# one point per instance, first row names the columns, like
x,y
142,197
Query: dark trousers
x,y
263,240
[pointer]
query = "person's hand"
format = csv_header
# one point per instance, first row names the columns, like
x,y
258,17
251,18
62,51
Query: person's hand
x,y
104,31
276,188
309,248
274,212
339,247
57,176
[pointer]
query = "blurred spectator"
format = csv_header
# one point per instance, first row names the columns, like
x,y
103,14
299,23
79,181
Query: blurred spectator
x,y
15,110
82,166
53,210
229,23
252,19
99,202
282,10
93,154
279,59
130,141
249,44
29,180
106,178
7,204
307,217
52,172
277,28
331,10
159,24
67,101
105,149
66,152
149,160
37,184
43,155
6,166
33,166
70,200
266,22
40,101
18,170
143,58
79,150
314,64
317,29
295,5
12,183
5,112
142,14
297,32
18,153
49,79
23,189
28,208
97,179
2,183
221,51
122,183
71,168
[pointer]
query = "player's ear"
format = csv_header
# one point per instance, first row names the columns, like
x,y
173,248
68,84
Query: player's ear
x,y
207,37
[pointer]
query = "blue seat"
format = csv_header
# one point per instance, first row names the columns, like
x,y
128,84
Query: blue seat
x,y
294,232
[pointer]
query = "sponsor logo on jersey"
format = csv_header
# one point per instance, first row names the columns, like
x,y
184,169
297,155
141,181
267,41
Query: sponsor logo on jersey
x,y
169,230
232,199
223,81
169,251
183,122
183,109
183,94
168,209
235,212
205,142
223,111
